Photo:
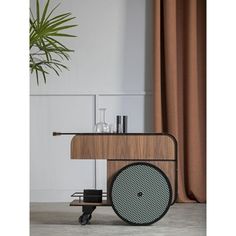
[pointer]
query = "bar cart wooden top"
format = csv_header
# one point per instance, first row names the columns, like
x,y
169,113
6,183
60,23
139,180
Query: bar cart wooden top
x,y
129,146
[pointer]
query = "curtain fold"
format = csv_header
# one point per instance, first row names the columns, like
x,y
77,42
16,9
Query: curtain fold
x,y
180,88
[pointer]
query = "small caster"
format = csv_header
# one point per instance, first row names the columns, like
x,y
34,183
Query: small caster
x,y
85,218
87,214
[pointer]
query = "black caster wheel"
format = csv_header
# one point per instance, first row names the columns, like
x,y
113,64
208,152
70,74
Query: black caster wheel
x,y
84,219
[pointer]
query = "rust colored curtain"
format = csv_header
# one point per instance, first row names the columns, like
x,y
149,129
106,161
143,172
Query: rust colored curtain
x,y
180,88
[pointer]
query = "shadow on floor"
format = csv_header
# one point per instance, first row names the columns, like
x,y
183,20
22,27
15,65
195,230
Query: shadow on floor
x,y
71,218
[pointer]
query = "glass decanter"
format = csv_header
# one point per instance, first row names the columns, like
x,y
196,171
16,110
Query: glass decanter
x,y
102,126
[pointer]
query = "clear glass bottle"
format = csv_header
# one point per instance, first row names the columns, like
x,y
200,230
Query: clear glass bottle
x,y
102,126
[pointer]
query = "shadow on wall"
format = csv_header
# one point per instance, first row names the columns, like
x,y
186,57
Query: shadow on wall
x,y
139,32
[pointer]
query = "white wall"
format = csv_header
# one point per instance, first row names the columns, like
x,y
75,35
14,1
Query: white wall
x,y
112,68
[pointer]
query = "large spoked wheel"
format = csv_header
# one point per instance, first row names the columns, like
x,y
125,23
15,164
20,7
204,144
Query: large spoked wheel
x,y
141,194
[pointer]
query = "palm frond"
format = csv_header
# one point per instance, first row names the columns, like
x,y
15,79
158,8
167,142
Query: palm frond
x,y
46,52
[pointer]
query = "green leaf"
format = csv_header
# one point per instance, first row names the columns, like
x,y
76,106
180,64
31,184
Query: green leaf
x,y
64,27
47,53
61,35
38,11
59,17
45,11
52,11
56,49
44,77
60,22
37,76
57,42
32,15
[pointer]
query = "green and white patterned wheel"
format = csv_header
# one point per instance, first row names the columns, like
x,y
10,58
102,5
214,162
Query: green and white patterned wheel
x,y
140,194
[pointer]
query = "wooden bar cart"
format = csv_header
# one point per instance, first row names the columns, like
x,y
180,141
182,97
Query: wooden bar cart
x,y
130,157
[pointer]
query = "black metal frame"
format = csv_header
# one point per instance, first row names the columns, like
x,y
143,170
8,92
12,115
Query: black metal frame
x,y
88,209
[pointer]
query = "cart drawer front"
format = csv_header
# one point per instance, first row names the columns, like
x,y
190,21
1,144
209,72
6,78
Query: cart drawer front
x,y
123,147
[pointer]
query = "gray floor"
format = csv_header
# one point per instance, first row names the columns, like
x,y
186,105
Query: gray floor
x,y
61,220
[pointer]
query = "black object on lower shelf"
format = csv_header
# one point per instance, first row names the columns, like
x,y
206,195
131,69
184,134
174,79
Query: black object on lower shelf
x,y
92,195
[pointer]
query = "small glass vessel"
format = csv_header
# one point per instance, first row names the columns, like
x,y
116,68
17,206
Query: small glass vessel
x,y
102,126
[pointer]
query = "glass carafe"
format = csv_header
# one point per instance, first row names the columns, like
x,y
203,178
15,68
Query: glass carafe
x,y
102,126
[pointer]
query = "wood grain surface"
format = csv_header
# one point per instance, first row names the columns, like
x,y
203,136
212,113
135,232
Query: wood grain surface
x,y
128,147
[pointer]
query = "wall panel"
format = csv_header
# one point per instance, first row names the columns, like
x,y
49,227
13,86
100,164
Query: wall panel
x,y
51,169
111,67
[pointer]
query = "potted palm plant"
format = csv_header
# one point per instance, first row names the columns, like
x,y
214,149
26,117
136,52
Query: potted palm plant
x,y
47,53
